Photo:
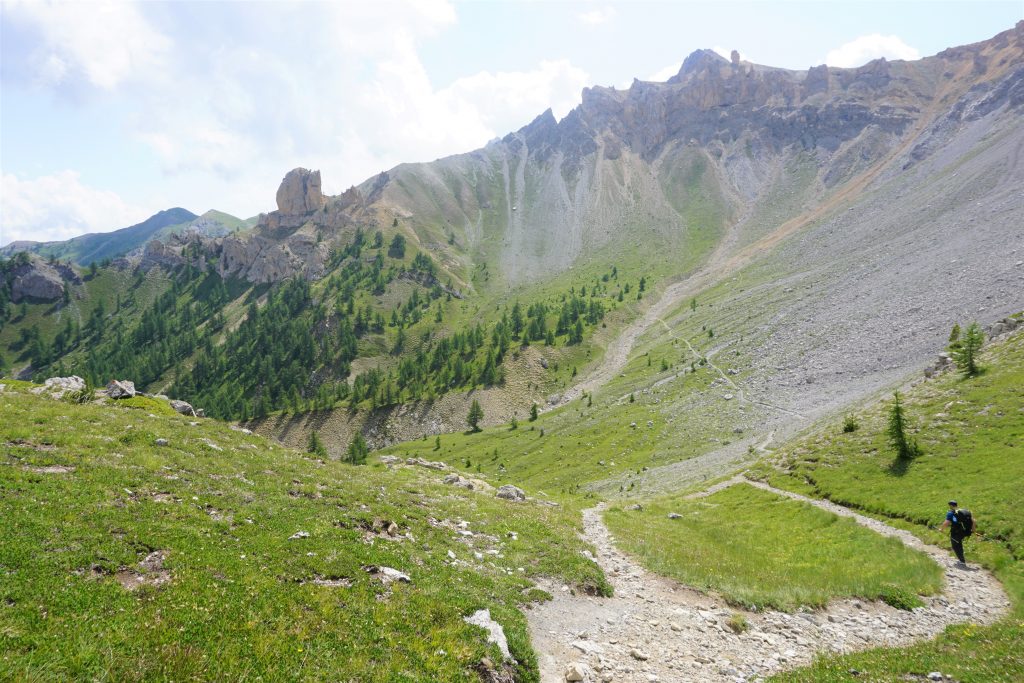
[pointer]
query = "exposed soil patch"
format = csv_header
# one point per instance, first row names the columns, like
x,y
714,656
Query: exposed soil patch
x,y
149,572
52,469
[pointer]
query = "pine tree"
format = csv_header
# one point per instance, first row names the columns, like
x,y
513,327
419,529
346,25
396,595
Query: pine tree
x,y
357,450
517,321
966,353
533,412
315,445
476,413
897,431
397,247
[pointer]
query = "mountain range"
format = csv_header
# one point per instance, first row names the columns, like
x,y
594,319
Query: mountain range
x,y
840,220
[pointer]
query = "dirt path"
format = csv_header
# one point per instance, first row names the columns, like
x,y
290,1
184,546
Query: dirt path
x,y
654,629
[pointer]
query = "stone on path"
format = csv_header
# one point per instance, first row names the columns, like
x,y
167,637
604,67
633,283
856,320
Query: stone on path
x,y
577,672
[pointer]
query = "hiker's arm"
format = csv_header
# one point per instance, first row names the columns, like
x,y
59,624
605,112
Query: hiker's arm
x,y
945,525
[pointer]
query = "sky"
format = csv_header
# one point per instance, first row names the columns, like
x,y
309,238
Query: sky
x,y
110,112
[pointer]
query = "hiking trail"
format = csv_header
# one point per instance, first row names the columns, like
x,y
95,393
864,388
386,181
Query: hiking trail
x,y
655,629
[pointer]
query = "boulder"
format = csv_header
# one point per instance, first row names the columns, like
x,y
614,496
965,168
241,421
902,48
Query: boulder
x,y
120,388
183,407
300,192
510,492
56,387
577,671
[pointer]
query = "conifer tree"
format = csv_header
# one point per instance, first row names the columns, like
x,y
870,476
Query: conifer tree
x,y
966,352
357,450
315,445
476,413
897,431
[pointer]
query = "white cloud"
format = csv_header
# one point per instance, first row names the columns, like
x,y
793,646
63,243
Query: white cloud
x,y
665,73
598,16
862,50
59,206
345,92
104,44
504,97
351,98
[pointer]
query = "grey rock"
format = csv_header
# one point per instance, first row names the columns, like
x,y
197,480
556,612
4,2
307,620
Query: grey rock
x,y
429,464
577,671
300,192
389,574
495,633
510,492
161,442
183,407
56,387
38,280
120,388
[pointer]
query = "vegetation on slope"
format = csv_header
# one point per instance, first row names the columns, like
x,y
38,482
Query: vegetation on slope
x,y
971,432
242,351
138,561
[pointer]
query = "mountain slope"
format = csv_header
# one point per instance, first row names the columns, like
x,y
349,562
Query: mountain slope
x,y
154,546
812,214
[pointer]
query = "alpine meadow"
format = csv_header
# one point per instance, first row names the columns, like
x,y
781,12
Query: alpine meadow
x,y
676,386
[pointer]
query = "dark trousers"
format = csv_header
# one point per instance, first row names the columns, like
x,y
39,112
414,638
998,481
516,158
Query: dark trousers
x,y
958,547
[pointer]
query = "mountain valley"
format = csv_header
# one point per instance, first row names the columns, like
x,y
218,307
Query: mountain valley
x,y
676,286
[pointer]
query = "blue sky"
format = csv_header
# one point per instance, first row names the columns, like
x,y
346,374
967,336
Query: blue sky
x,y
110,112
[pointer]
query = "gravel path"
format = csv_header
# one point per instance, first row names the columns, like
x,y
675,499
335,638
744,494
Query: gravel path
x,y
654,629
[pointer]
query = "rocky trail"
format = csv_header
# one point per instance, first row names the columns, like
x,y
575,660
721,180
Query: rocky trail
x,y
655,629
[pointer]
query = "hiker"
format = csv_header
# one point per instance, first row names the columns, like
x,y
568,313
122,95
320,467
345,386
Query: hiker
x,y
961,525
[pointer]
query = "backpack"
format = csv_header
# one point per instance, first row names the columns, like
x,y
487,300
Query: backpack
x,y
965,521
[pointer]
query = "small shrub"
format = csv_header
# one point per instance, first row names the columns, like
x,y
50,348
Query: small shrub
x,y
81,396
738,623
900,598
850,424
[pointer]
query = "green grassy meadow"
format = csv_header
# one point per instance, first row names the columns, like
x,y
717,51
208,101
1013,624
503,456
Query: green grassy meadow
x,y
760,550
87,496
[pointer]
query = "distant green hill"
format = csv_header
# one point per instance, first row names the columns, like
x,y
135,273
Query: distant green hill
x,y
97,247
